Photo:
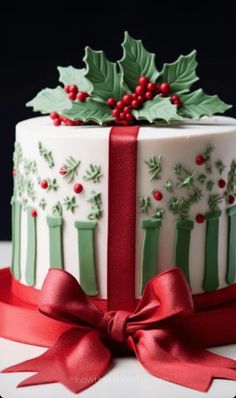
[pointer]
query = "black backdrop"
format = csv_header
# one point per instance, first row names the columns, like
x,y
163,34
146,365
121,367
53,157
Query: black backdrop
x,y
34,41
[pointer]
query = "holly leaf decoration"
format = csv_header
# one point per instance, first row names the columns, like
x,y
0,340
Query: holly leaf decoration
x,y
136,62
181,74
197,104
157,109
90,110
50,100
103,75
70,75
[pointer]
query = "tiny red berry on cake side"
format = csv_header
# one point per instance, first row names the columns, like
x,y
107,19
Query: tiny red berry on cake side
x,y
127,98
44,184
151,86
176,100
135,104
63,170
78,188
54,115
81,96
200,160
140,90
231,199
143,81
165,89
221,183
57,122
34,213
157,195
111,102
72,95
200,218
149,95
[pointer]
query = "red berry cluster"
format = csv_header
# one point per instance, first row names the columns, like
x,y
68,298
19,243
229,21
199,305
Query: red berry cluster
x,y
74,93
144,91
58,120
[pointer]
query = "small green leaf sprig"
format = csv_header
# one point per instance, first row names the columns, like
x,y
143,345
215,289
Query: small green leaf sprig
x,y
69,169
96,206
154,167
130,91
93,174
46,155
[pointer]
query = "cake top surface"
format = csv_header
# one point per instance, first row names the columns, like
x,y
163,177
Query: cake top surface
x,y
129,91
207,125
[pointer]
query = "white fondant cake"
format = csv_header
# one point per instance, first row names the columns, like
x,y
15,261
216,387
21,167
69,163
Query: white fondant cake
x,y
187,186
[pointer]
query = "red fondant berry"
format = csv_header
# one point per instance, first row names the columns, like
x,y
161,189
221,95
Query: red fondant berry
x,y
158,89
126,109
111,102
231,199
70,122
151,86
120,104
140,90
117,120
34,213
127,98
57,122
149,95
200,160
44,184
135,104
157,195
125,122
200,218
81,96
72,95
73,89
129,116
221,183
122,115
165,89
63,170
140,98
143,81
134,96
176,100
115,112
78,188
67,88
54,115
78,122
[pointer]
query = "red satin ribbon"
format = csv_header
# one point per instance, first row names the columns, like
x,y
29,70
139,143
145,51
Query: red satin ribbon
x,y
81,355
122,217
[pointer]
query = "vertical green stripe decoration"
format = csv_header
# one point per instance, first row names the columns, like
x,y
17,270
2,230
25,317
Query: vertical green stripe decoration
x,y
211,279
12,233
182,246
55,241
87,266
151,229
231,250
30,273
17,240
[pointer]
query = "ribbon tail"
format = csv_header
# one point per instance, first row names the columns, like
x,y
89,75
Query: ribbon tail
x,y
168,356
77,360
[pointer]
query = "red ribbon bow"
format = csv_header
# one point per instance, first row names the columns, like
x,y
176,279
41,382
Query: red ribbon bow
x,y
81,355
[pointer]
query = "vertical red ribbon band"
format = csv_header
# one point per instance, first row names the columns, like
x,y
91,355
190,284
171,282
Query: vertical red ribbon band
x,y
122,217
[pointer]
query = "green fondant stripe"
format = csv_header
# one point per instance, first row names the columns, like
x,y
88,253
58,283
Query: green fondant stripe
x,y
12,234
231,250
55,241
30,274
87,266
17,241
149,253
182,246
211,279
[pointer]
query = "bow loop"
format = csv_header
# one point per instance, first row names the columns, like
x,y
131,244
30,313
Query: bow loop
x,y
117,325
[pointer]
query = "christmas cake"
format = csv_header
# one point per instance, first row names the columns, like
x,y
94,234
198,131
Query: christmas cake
x,y
130,174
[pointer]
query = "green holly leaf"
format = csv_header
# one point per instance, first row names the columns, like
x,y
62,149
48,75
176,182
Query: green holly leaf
x,y
50,100
136,62
181,73
197,104
103,75
90,110
70,75
157,109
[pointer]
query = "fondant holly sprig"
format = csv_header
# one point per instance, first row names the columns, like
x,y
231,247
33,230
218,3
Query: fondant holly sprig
x,y
129,91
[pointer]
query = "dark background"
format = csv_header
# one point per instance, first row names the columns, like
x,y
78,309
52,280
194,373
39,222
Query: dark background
x,y
34,41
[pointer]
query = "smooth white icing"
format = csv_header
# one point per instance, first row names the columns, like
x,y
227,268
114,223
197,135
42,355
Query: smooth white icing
x,y
89,144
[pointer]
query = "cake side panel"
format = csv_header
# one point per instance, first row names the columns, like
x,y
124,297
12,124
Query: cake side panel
x,y
44,151
172,154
